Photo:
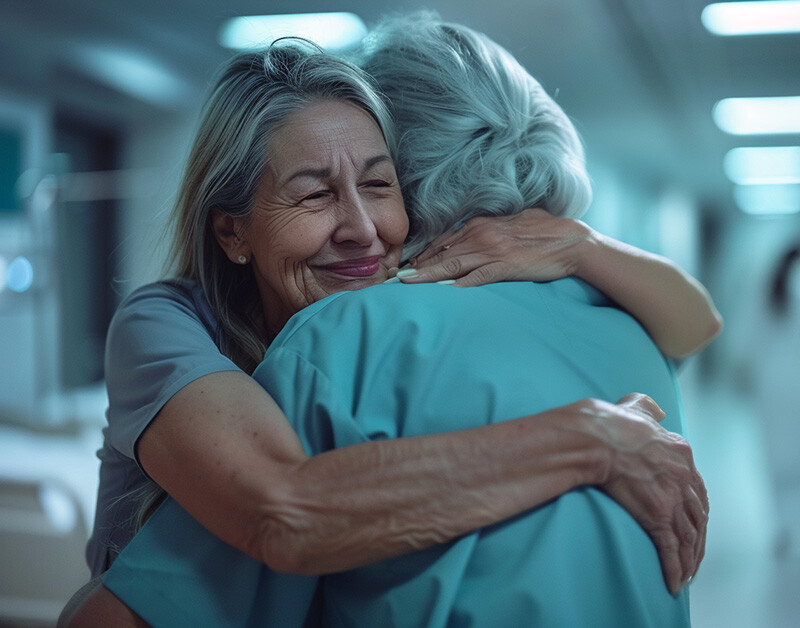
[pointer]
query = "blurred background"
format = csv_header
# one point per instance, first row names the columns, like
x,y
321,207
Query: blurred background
x,y
98,102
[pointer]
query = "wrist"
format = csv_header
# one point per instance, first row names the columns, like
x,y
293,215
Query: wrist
x,y
583,447
586,251
599,455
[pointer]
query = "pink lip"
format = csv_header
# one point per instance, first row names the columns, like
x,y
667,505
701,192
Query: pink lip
x,y
364,267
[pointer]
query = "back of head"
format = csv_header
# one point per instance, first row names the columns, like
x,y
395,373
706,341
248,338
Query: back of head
x,y
251,99
477,135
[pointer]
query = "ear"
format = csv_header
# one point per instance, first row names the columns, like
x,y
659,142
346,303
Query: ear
x,y
229,232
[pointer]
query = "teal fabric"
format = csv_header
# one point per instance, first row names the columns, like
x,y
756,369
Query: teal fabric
x,y
175,574
396,360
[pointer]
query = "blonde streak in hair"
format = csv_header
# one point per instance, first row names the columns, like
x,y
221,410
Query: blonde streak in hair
x,y
151,495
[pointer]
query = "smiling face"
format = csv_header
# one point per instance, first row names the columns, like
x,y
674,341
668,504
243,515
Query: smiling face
x,y
328,214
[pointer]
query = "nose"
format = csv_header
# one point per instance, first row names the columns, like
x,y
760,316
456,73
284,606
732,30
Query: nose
x,y
356,222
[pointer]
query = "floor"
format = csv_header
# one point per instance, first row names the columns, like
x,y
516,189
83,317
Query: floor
x,y
742,584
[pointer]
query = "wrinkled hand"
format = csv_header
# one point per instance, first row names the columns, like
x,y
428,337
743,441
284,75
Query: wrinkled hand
x,y
651,473
530,246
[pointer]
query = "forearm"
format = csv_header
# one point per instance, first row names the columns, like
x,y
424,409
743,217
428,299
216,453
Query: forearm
x,y
673,307
227,455
223,449
364,503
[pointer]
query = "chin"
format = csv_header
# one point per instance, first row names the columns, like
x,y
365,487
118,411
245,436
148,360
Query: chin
x,y
358,283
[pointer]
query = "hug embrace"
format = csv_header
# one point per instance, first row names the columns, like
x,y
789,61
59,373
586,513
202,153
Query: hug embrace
x,y
300,434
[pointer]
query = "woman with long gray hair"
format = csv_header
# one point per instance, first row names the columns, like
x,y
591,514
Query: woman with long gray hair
x,y
322,219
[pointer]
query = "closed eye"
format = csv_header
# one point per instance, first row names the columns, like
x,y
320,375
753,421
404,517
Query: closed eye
x,y
316,195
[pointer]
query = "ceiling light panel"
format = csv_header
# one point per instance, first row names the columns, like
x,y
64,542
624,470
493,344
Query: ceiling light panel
x,y
775,165
768,200
752,18
332,31
758,116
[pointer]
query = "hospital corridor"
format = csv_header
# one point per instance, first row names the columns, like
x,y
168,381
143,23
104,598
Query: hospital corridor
x,y
689,116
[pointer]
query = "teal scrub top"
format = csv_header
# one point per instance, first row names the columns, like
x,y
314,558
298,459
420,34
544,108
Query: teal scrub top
x,y
393,361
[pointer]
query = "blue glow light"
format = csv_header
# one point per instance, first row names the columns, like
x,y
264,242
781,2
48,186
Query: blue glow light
x,y
19,274
60,509
768,200
332,31
758,116
763,165
752,18
135,74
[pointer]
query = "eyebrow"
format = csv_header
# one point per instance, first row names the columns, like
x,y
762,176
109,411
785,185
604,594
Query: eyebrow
x,y
321,173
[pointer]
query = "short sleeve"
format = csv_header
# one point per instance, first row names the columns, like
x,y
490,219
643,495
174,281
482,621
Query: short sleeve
x,y
161,339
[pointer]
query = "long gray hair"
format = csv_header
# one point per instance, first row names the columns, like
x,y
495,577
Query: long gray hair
x,y
477,134
251,99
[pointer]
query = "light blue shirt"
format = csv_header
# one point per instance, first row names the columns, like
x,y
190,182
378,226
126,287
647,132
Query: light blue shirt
x,y
394,361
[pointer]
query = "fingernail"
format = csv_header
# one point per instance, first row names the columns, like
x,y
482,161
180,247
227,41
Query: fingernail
x,y
407,273
446,282
392,280
683,584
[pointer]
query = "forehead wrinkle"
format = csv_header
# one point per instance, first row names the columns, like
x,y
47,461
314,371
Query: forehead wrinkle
x,y
376,160
322,173
336,142
308,173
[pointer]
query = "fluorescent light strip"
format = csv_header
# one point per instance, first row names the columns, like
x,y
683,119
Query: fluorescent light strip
x,y
752,18
332,31
775,165
768,200
758,116
135,74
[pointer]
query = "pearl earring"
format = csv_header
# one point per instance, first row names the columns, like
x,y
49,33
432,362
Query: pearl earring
x,y
242,259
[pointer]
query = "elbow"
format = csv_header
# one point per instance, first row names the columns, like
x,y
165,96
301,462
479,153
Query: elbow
x,y
716,325
713,328
290,556
282,536
289,562
281,550
692,344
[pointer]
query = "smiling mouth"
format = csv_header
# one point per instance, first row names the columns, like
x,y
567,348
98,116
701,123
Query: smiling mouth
x,y
363,267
